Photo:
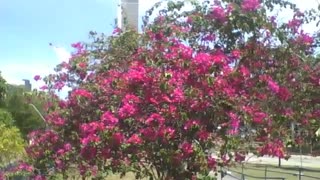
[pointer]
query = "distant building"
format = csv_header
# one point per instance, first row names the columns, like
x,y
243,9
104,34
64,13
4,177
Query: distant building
x,y
27,85
128,14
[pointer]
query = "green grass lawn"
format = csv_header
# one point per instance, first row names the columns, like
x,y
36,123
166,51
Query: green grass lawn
x,y
289,173
255,172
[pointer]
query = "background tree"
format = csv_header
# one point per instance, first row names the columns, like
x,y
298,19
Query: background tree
x,y
6,118
11,143
18,104
3,89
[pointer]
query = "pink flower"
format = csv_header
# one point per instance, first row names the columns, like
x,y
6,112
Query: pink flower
x,y
230,8
44,87
82,93
127,110
131,98
39,177
91,138
82,65
92,127
234,123
250,5
203,59
159,36
88,152
55,119
273,148
59,164
189,20
60,152
219,14
305,39
155,119
288,112
148,134
59,85
63,104
305,121
77,45
117,30
294,24
244,71
2,175
189,125
106,152
239,157
209,37
109,119
273,86
166,99
219,57
186,52
117,139
37,77
178,95
212,163
236,53
24,167
284,94
166,133
137,73
259,117
67,147
134,139
94,171
187,149
203,135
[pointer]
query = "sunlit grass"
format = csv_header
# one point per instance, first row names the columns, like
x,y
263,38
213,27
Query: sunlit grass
x,y
253,171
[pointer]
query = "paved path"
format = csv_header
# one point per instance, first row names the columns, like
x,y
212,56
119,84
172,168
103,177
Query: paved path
x,y
295,160
228,178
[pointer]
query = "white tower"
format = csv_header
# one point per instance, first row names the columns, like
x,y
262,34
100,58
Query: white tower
x,y
128,14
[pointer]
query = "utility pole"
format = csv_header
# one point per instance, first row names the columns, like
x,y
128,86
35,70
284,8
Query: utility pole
x,y
38,112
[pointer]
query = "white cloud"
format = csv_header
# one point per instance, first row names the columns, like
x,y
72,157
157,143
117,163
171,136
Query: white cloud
x,y
62,54
306,4
145,5
15,72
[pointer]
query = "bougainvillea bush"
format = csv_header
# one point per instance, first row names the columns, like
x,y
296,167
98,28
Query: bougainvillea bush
x,y
194,91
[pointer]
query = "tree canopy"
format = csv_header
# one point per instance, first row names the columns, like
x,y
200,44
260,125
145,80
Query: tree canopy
x,y
11,144
18,103
3,89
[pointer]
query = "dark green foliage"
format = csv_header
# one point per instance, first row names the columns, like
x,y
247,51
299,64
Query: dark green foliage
x,y
6,118
18,104
15,108
3,89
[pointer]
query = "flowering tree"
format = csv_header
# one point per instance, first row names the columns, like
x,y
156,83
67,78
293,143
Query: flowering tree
x,y
171,102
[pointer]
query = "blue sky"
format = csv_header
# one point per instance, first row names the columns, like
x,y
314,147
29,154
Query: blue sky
x,y
28,26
